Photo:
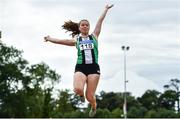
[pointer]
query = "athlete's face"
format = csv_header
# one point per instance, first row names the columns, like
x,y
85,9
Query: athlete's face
x,y
84,27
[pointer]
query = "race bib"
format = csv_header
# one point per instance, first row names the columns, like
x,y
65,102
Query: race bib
x,y
86,46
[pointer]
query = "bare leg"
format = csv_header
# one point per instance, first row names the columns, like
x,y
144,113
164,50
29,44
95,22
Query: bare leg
x,y
92,83
79,83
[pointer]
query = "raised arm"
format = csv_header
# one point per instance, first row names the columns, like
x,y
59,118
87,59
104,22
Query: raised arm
x,y
68,42
97,29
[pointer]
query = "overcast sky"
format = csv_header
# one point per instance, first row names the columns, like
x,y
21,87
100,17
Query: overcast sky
x,y
150,27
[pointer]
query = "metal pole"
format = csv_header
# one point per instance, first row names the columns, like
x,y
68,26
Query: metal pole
x,y
125,103
124,48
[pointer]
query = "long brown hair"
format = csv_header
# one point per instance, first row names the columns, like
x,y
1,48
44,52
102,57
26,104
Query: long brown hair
x,y
73,27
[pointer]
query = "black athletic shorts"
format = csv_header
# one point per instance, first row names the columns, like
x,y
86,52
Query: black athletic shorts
x,y
88,69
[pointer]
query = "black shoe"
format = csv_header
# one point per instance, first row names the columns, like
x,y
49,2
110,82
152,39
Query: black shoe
x,y
82,98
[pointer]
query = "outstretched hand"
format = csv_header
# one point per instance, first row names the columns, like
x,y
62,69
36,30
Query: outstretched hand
x,y
109,6
46,38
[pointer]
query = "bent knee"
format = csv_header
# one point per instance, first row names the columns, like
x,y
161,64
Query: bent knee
x,y
78,91
90,97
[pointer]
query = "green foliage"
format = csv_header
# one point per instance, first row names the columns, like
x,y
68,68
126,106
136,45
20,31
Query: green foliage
x,y
22,93
174,85
110,100
117,113
167,99
161,113
105,113
63,102
165,113
150,99
26,92
136,112
151,114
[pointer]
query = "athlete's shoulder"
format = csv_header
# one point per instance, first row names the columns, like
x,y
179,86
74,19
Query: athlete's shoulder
x,y
94,36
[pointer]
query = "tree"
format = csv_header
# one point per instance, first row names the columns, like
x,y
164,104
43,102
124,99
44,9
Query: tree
x,y
110,100
150,99
167,99
165,113
63,103
23,87
117,113
152,114
12,66
137,112
105,113
174,85
48,103
160,113
26,91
